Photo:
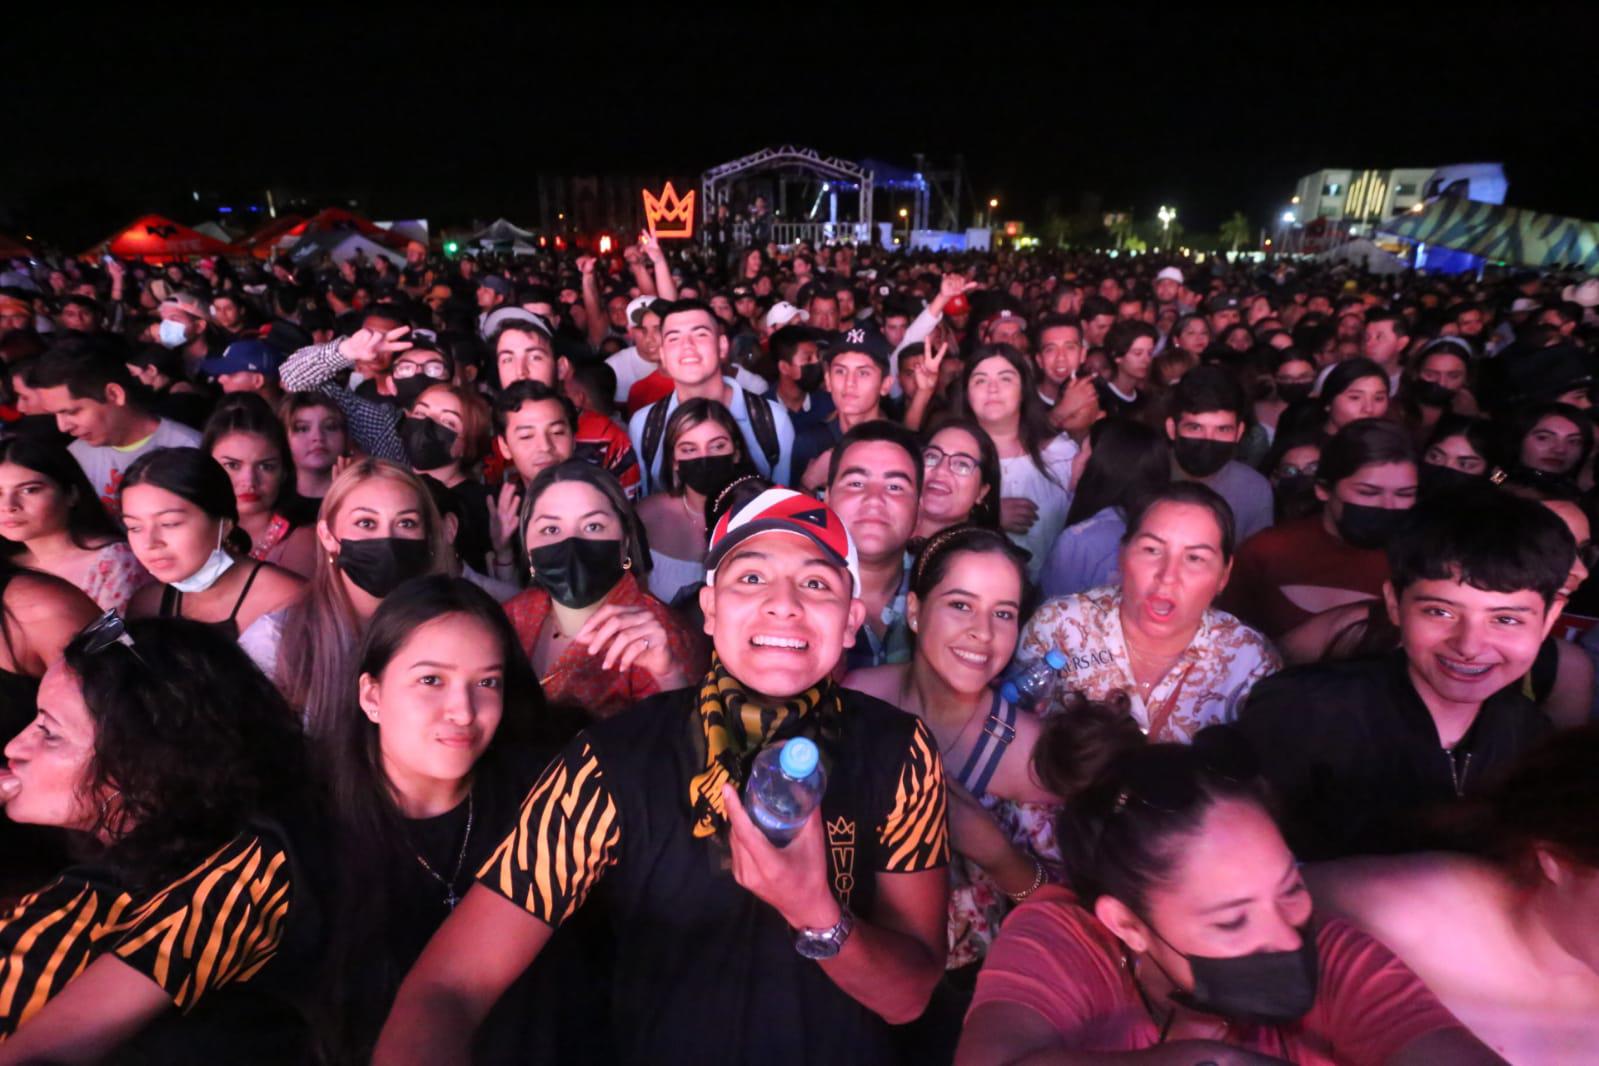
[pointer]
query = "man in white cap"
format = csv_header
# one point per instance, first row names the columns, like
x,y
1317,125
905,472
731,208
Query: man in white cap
x,y
734,950
183,326
1168,290
638,367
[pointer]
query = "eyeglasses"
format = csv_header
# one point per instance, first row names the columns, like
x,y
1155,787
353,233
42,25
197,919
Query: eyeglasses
x,y
960,464
1286,472
105,631
437,371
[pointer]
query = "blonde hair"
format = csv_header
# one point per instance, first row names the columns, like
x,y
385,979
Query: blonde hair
x,y
321,629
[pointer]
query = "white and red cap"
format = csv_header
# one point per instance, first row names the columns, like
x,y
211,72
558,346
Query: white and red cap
x,y
784,313
786,511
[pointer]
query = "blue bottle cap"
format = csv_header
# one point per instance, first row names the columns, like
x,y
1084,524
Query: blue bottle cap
x,y
798,758
1056,659
1010,693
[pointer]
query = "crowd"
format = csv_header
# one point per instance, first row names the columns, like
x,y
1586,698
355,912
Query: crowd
x,y
384,648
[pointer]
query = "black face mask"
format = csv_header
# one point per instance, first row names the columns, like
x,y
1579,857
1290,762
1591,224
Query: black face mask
x,y
577,572
1563,486
427,443
378,566
707,474
1293,392
1202,458
1436,479
1267,988
406,390
810,377
1432,394
1368,527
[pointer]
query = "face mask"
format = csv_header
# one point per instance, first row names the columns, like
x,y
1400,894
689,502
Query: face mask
x,y
810,378
427,443
1558,484
1432,394
1202,458
1436,479
577,572
407,390
172,334
1295,391
1368,527
707,474
378,566
216,564
1267,988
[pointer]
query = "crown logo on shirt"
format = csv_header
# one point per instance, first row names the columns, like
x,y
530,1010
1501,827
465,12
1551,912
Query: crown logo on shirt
x,y
669,215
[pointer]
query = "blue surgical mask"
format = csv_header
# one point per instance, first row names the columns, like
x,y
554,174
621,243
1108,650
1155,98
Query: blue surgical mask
x,y
172,333
216,564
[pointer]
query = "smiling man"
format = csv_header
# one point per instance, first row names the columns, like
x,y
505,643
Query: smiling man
x,y
733,950
1359,751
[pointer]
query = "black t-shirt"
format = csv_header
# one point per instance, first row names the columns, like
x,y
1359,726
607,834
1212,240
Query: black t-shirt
x,y
473,542
705,971
1355,761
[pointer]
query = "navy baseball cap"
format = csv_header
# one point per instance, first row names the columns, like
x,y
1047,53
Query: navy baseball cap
x,y
859,339
250,355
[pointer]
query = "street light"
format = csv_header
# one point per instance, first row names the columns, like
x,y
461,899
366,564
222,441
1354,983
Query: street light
x,y
1167,216
1288,217
993,202
904,216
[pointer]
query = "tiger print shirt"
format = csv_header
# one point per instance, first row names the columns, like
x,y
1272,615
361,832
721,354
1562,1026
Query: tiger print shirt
x,y
217,925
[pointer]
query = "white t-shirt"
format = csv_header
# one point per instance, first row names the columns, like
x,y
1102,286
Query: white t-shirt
x,y
104,464
1021,477
630,368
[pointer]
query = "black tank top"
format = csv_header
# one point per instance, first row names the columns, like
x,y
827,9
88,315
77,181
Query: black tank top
x,y
172,605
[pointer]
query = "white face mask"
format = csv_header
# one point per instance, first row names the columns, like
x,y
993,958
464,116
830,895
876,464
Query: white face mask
x,y
216,564
172,333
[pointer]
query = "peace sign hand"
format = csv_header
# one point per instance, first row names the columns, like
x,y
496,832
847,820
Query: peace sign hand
x,y
372,350
927,369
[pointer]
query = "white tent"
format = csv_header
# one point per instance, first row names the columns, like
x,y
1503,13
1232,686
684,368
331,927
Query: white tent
x,y
213,229
501,233
342,245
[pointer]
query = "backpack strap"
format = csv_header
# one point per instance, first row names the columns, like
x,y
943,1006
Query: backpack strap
x,y
654,427
764,425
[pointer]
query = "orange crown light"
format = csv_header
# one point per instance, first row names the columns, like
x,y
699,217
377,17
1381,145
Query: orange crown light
x,y
669,215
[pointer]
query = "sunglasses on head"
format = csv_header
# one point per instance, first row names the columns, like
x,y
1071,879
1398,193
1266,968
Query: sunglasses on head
x,y
106,631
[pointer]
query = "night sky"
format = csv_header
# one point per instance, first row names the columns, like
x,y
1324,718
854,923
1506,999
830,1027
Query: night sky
x,y
451,118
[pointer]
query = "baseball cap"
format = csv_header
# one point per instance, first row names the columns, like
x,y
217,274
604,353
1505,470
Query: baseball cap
x,y
958,305
252,355
1549,372
1584,295
501,317
859,339
1522,304
186,302
495,283
743,292
638,305
1222,301
785,511
1170,274
784,313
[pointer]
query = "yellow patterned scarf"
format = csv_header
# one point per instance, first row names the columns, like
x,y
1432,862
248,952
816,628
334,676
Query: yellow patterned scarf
x,y
737,724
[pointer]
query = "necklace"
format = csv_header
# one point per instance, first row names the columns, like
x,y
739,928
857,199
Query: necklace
x,y
450,898
697,519
905,689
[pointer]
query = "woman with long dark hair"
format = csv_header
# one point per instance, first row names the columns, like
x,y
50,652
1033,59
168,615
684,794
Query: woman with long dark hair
x,y
1127,461
51,520
319,437
597,639
427,762
1188,935
247,440
183,524
960,479
178,765
997,389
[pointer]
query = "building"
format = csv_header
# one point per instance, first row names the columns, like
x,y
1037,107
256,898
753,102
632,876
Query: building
x,y
1358,197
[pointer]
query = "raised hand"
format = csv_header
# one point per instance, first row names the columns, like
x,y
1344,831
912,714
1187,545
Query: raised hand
x,y
372,350
926,371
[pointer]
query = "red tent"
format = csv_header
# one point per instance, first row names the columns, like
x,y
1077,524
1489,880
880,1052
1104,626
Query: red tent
x,y
261,242
10,249
160,240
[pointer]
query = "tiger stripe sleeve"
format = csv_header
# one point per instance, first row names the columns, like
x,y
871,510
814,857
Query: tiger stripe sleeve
x,y
46,940
217,925
915,835
566,836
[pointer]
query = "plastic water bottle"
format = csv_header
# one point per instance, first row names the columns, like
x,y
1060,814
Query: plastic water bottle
x,y
785,786
1031,687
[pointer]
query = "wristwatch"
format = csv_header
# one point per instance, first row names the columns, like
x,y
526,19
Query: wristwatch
x,y
825,943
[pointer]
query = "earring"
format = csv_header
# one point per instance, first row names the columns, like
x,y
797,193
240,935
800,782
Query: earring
x,y
627,564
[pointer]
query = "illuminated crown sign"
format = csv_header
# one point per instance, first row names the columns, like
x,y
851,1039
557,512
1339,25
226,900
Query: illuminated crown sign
x,y
669,215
